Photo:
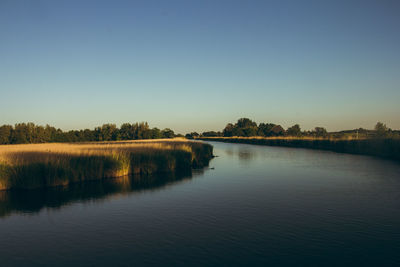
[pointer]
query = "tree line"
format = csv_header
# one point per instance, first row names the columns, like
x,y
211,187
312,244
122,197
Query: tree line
x,y
22,133
245,127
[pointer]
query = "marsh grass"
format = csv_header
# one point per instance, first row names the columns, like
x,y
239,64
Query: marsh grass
x,y
39,165
388,148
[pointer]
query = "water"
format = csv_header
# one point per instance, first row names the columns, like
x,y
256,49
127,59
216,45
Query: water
x,y
256,205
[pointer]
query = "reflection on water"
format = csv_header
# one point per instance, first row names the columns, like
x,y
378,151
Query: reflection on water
x,y
32,201
246,155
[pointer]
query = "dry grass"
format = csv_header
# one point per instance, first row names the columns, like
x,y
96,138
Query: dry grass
x,y
52,164
27,153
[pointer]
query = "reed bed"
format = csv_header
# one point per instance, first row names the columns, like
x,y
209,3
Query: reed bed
x,y
53,164
388,148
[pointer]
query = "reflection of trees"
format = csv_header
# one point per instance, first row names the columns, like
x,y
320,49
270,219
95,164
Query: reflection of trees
x,y
32,201
229,152
245,154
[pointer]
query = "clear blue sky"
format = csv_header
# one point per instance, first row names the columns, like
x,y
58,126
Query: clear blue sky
x,y
196,65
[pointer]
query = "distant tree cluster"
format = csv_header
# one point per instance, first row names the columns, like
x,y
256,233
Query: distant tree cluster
x,y
23,133
192,135
245,127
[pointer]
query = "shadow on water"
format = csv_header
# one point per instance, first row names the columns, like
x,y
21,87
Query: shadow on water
x,y
33,201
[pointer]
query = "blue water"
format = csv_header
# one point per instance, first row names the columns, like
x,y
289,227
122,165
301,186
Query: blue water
x,y
255,205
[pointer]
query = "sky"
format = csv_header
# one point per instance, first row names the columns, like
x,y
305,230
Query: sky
x,y
197,65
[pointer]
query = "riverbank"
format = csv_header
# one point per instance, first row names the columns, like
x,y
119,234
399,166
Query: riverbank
x,y
55,164
383,148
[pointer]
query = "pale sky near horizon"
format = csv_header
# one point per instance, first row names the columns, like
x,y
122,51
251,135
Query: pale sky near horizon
x,y
197,65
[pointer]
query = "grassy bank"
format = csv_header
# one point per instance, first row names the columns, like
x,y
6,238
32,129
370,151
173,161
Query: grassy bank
x,y
41,165
383,148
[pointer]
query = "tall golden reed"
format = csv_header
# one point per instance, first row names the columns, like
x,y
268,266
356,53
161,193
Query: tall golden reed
x,y
53,164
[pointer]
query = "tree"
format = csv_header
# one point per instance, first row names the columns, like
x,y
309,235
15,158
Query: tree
x,y
320,132
249,131
88,135
126,131
246,127
211,134
31,133
192,135
243,127
167,133
237,131
245,123
39,135
49,133
277,130
59,136
156,133
5,134
143,131
228,130
381,130
20,133
108,132
264,129
295,130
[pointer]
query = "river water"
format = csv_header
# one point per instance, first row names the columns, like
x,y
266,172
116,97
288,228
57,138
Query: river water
x,y
254,206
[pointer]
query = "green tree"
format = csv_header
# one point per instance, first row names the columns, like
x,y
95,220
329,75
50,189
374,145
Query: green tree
x,y
192,135
108,132
39,135
295,130
126,131
320,132
228,130
156,133
50,133
249,131
20,133
265,129
381,130
143,131
88,135
5,134
245,123
277,130
167,133
211,134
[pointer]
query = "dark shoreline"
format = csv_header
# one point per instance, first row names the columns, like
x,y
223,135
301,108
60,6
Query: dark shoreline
x,y
382,148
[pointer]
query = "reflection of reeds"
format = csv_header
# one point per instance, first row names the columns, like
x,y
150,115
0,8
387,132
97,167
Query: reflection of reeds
x,y
385,148
39,165
32,201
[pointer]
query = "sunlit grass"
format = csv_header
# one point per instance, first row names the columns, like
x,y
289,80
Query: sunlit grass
x,y
52,164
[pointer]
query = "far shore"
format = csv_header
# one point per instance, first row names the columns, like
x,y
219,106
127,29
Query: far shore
x,y
388,148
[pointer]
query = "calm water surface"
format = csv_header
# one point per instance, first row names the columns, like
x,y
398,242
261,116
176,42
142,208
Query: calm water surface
x,y
255,205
